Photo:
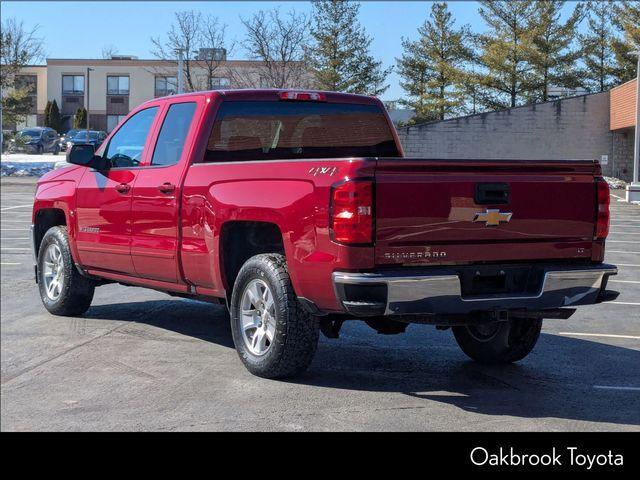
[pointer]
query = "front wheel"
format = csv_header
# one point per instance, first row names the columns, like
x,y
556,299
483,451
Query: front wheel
x,y
499,342
62,289
273,335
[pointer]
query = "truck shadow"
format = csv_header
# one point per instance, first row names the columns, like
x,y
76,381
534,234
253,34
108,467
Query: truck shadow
x,y
196,319
556,381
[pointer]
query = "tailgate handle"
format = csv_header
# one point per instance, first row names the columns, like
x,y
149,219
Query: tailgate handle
x,y
492,193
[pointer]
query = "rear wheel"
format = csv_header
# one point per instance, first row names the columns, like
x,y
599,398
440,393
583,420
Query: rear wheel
x,y
273,335
56,149
62,289
499,342
39,150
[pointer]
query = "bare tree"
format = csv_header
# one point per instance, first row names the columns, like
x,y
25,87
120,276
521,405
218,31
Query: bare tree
x,y
279,42
213,39
108,51
18,47
183,35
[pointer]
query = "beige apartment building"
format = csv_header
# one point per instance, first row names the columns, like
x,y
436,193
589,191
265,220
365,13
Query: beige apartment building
x,y
120,83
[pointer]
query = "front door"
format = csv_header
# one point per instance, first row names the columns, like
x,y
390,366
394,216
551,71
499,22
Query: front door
x,y
103,198
156,196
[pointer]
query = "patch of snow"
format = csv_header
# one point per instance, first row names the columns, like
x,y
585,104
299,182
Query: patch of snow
x,y
615,183
25,165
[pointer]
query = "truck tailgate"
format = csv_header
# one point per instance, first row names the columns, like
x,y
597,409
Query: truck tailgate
x,y
450,211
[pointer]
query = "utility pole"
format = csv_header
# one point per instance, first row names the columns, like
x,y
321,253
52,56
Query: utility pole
x,y
633,190
89,69
180,51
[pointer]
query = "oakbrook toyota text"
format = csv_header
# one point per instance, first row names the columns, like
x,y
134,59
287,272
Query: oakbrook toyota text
x,y
571,456
298,211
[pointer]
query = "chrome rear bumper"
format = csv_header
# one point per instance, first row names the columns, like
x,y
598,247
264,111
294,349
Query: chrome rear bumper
x,y
440,292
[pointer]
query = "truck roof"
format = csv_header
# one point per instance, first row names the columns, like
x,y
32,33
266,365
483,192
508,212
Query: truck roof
x,y
274,94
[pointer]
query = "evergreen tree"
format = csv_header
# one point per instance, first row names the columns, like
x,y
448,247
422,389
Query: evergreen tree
x,y
47,114
55,119
340,54
553,58
627,19
80,120
506,52
597,47
432,67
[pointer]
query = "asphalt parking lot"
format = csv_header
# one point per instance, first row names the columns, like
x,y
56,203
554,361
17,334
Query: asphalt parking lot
x,y
141,360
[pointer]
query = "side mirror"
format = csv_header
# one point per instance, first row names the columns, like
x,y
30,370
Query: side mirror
x,y
84,154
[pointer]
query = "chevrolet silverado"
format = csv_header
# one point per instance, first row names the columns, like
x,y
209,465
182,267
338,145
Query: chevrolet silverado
x,y
298,211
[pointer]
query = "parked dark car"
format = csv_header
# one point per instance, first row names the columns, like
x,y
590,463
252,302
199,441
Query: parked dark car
x,y
66,137
93,137
36,140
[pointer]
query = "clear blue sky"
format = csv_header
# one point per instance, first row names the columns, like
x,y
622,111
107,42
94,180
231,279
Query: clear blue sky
x,y
129,25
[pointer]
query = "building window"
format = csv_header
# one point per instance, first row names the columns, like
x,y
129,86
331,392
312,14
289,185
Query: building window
x,y
27,81
166,86
117,85
219,82
113,121
27,121
72,84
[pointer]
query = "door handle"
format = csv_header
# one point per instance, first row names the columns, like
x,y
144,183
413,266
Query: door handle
x,y
167,187
123,188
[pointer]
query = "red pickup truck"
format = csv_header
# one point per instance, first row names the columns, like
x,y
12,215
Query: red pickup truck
x,y
298,211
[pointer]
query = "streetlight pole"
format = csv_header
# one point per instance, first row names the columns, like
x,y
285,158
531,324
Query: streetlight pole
x,y
180,67
89,69
633,190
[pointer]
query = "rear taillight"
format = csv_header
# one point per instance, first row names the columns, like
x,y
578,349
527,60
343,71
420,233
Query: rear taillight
x,y
352,212
602,220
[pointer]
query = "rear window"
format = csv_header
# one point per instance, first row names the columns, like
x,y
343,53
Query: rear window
x,y
293,130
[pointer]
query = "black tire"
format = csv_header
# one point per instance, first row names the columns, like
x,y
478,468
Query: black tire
x,y
39,150
56,150
501,342
76,292
296,332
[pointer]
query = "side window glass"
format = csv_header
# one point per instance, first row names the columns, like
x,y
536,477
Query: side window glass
x,y
126,146
173,134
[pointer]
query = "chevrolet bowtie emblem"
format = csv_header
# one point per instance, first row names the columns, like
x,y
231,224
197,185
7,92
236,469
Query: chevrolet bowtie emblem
x,y
492,217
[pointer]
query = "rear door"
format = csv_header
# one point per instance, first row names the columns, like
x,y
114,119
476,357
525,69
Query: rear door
x,y
444,211
103,198
156,193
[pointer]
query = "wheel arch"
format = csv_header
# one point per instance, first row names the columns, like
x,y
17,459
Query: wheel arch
x,y
242,239
43,220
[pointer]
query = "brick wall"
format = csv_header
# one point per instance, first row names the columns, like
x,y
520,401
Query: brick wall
x,y
623,105
573,128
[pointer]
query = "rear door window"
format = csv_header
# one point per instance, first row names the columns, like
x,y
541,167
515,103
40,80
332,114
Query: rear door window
x,y
274,130
173,134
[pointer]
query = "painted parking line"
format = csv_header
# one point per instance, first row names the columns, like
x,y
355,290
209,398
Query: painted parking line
x,y
14,238
9,263
14,248
626,265
620,251
624,225
13,229
615,387
635,304
623,233
624,281
620,241
606,335
15,206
